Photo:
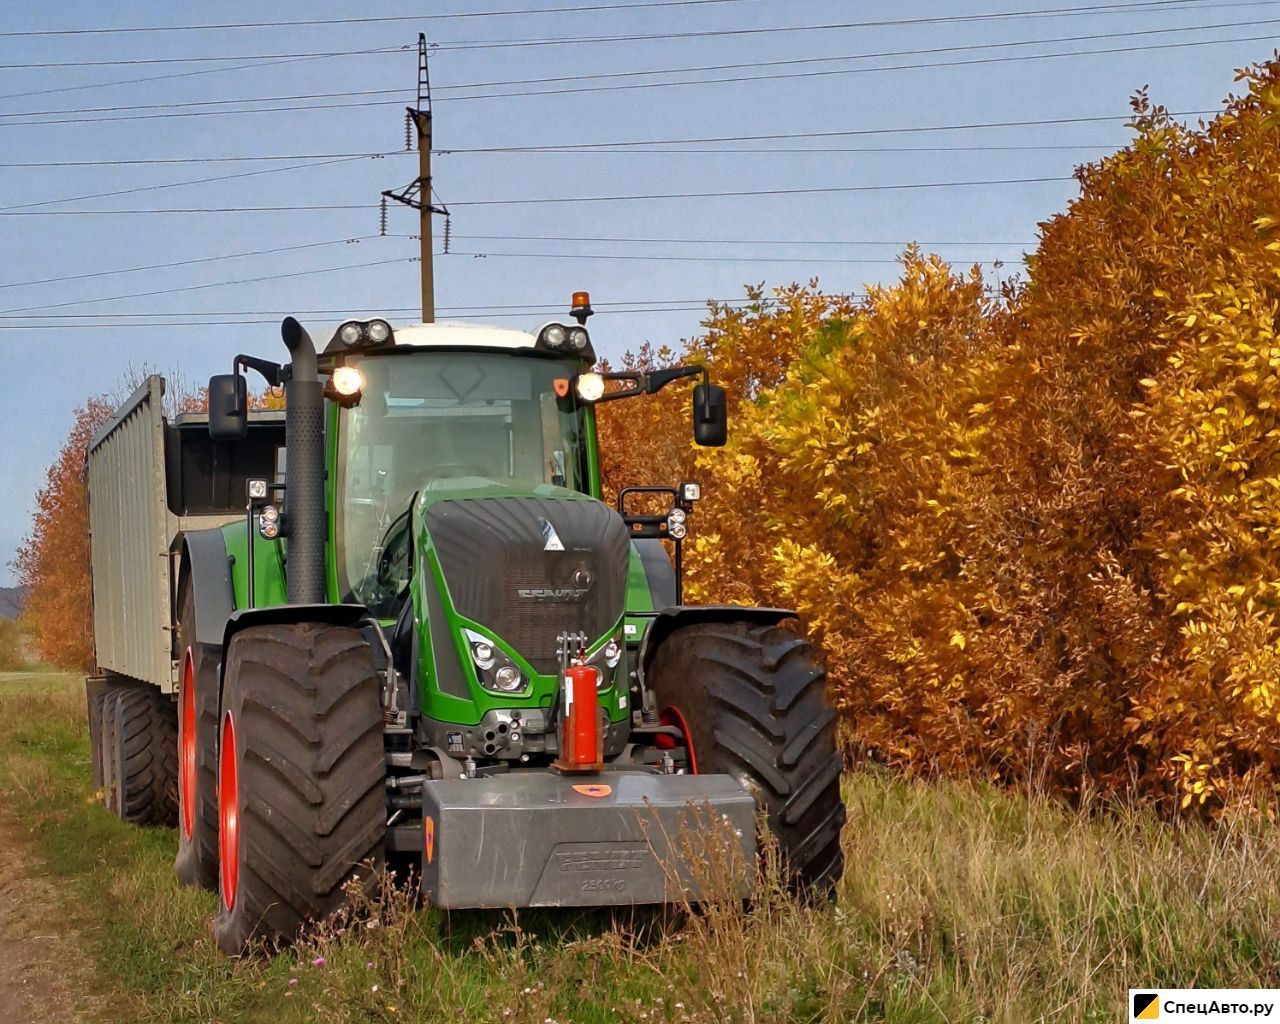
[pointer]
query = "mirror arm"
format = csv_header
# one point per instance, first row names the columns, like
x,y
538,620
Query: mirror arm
x,y
273,373
656,380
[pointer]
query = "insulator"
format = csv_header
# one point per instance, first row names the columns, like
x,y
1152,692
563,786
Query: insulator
x,y
382,217
448,231
408,130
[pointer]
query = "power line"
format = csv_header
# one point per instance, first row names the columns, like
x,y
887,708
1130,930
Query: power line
x,y
549,200
972,62
580,80
709,241
693,141
1088,37
473,44
552,150
527,309
186,263
132,61
157,78
664,258
524,94
212,284
514,238
146,161
624,146
249,323
366,21
178,184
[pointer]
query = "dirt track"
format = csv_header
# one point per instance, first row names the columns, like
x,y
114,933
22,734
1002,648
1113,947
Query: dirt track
x,y
40,965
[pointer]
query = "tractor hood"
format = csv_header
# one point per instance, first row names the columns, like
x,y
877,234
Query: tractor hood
x,y
528,566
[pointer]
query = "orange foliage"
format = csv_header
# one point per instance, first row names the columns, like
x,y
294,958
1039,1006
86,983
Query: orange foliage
x,y
1036,533
54,561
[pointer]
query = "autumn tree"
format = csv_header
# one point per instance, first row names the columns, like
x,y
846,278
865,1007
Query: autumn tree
x,y
53,562
1034,531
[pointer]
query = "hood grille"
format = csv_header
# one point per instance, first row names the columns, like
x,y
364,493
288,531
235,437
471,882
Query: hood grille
x,y
533,568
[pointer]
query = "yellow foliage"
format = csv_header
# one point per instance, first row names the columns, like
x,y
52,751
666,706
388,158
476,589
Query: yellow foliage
x,y
1037,533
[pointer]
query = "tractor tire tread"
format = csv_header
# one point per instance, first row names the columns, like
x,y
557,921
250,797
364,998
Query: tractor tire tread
x,y
753,697
307,705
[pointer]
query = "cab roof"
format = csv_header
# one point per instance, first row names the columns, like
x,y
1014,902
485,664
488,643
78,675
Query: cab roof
x,y
457,334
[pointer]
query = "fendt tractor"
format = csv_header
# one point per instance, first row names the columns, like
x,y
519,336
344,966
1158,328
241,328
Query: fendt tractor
x,y
395,625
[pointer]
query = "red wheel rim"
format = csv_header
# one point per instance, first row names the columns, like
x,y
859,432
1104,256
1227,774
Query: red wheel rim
x,y
672,715
187,746
228,813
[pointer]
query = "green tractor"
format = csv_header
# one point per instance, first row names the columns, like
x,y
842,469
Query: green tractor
x,y
429,642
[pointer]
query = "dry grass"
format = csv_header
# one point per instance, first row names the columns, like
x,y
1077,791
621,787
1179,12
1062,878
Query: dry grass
x,y
959,903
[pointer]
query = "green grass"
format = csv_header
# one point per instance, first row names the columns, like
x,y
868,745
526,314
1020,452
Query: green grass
x,y
959,903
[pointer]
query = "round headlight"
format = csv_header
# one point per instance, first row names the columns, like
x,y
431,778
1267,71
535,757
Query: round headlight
x,y
677,530
482,655
578,338
590,387
348,381
612,653
350,333
676,516
554,335
508,679
379,331
268,529
270,514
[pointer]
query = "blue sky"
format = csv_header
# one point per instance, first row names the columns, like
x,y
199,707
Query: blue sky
x,y
59,353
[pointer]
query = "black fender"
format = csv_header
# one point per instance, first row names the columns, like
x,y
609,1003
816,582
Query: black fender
x,y
207,565
670,619
288,614
658,570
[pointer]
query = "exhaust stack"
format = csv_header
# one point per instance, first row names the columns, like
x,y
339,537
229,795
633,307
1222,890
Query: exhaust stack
x,y
304,449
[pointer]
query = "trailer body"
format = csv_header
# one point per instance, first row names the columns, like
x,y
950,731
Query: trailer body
x,y
149,482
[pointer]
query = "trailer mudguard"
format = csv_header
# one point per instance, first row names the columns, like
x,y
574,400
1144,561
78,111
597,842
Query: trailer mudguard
x,y
669,620
289,614
206,564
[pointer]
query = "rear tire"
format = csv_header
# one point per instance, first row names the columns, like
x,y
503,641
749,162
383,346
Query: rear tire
x,y
301,780
196,863
751,702
109,752
144,743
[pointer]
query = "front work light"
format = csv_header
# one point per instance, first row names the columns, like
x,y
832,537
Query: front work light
x,y
554,335
360,333
348,381
589,386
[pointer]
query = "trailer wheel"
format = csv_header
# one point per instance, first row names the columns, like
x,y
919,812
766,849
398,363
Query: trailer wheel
x,y
94,700
749,700
197,752
109,752
143,738
301,779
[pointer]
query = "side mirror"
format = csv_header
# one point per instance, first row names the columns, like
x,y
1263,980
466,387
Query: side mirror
x,y
228,407
710,416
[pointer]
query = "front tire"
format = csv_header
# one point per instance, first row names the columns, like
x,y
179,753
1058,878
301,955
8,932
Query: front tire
x,y
750,701
301,779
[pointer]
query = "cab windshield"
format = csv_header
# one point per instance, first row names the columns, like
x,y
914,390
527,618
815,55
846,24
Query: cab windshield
x,y
426,418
